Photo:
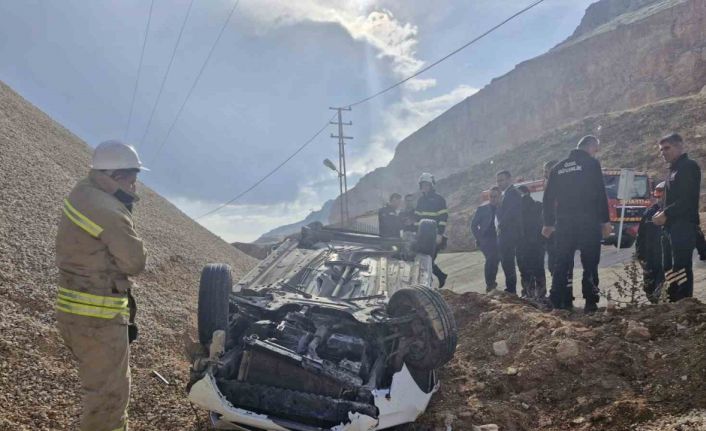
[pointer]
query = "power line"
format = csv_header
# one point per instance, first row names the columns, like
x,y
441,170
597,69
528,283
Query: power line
x,y
196,81
139,70
166,74
361,101
456,51
269,174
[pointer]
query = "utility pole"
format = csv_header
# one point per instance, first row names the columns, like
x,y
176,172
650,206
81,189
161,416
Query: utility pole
x,y
342,179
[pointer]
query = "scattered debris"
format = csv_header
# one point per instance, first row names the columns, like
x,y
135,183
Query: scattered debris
x,y
160,377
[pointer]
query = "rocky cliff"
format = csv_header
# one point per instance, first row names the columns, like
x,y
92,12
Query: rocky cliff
x,y
624,54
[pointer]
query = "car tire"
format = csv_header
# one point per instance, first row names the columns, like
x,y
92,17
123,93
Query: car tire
x,y
438,333
214,291
425,241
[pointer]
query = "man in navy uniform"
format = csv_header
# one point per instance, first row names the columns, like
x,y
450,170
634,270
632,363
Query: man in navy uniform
x,y
575,209
680,217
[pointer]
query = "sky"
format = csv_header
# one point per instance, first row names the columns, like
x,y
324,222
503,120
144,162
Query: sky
x,y
265,90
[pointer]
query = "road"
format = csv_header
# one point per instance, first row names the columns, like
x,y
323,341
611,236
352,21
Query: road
x,y
466,272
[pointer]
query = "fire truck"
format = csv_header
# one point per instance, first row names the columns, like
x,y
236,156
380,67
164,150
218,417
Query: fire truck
x,y
640,199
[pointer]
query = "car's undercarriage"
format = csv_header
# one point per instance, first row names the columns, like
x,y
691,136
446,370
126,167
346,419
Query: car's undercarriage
x,y
314,333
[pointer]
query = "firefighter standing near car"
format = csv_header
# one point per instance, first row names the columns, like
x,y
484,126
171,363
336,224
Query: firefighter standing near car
x,y
97,249
680,217
431,205
575,209
648,247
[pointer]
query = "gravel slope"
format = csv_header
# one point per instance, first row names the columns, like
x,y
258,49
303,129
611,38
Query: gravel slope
x,y
39,163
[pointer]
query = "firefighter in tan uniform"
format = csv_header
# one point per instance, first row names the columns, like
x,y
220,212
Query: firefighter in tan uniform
x,y
97,249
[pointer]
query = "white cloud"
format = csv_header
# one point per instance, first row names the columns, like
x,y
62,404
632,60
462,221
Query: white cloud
x,y
401,120
392,39
245,223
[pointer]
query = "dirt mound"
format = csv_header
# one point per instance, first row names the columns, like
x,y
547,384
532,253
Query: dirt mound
x,y
39,389
609,371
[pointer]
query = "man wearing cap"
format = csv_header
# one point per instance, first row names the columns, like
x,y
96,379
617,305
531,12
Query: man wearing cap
x,y
97,250
648,247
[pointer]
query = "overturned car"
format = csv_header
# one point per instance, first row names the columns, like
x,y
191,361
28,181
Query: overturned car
x,y
337,331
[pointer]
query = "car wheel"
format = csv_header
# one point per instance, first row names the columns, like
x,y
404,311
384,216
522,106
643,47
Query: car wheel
x,y
214,290
432,335
425,241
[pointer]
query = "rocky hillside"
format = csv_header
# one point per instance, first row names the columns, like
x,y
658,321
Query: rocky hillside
x,y
39,387
628,140
625,54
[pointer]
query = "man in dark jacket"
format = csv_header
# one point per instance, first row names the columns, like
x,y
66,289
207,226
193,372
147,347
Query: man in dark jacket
x,y
432,206
550,243
509,225
530,253
483,229
409,220
680,216
575,209
389,222
648,247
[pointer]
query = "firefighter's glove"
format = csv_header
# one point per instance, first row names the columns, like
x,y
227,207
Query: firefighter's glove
x,y
439,239
132,332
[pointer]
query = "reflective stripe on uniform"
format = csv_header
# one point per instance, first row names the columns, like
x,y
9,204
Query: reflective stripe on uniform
x,y
431,213
88,305
676,277
89,299
81,220
440,223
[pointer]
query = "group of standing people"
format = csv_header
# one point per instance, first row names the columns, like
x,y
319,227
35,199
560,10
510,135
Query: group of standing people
x,y
393,220
508,231
512,228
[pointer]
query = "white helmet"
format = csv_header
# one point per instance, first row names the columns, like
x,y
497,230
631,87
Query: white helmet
x,y
114,154
426,177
